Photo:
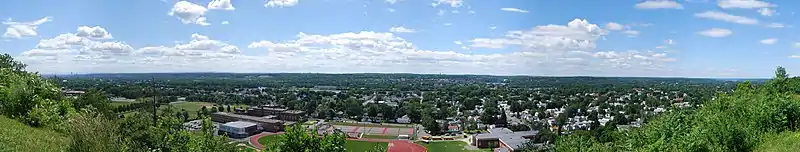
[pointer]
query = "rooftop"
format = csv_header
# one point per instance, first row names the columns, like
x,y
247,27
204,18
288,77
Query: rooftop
x,y
240,124
294,111
508,137
251,118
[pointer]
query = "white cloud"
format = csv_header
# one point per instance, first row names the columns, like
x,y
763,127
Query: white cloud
x,y
716,32
659,4
391,10
726,17
108,49
746,4
669,42
96,32
614,26
768,41
514,10
401,29
203,43
577,34
281,3
189,13
225,23
42,52
452,3
447,24
221,5
23,29
797,45
631,33
795,56
393,1
196,36
766,12
774,25
64,42
566,49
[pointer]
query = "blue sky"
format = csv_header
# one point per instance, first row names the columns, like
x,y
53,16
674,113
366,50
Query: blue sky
x,y
683,38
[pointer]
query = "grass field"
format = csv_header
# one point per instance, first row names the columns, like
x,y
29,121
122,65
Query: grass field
x,y
369,125
191,107
117,104
16,136
362,146
784,142
378,136
269,141
450,146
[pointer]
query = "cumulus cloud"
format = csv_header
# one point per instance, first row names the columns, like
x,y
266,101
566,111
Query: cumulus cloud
x,y
716,32
401,29
23,29
566,49
766,12
577,34
614,26
96,32
281,3
631,33
659,4
221,5
452,3
768,41
393,1
514,10
189,13
225,23
795,56
726,17
774,25
745,4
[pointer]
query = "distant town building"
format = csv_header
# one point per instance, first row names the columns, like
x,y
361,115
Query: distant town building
x,y
503,138
271,125
239,129
404,120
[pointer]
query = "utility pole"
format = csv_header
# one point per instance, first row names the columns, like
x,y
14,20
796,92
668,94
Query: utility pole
x,y
155,102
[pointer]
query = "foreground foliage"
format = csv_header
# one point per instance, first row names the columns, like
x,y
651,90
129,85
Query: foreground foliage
x,y
16,136
89,121
740,121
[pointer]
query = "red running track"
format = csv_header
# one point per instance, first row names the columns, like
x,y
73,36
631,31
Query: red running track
x,y
405,146
254,139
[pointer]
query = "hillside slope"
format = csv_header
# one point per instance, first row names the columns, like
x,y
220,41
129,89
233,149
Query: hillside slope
x,y
16,136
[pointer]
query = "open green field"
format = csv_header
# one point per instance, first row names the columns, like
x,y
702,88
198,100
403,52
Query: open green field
x,y
191,107
450,146
378,136
784,142
362,146
369,125
269,141
117,104
16,136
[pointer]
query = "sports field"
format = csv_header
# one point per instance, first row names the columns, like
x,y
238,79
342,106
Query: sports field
x,y
362,146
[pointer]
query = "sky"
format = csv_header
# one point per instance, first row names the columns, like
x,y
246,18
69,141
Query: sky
x,y
643,38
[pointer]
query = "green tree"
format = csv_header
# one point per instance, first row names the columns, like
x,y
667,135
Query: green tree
x,y
297,139
431,125
97,99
